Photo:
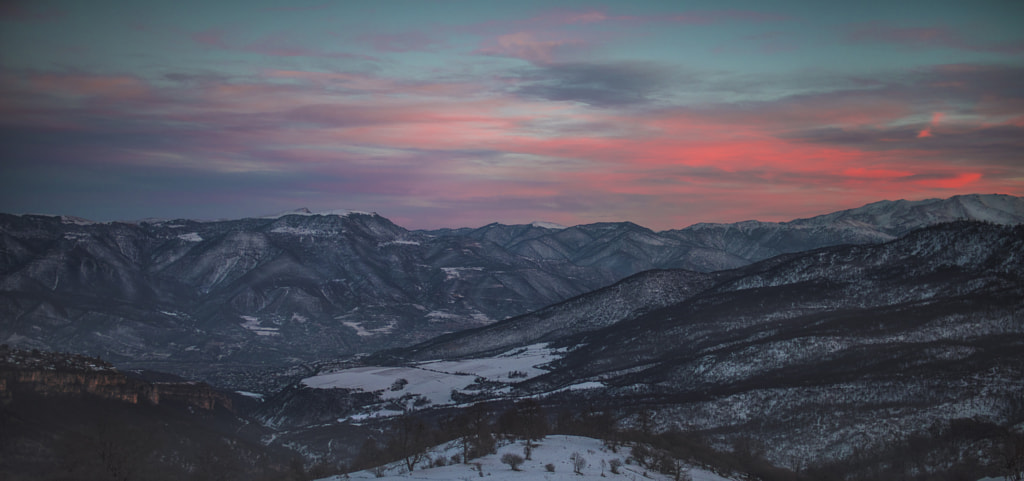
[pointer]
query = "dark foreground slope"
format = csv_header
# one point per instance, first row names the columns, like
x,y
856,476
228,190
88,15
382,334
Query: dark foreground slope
x,y
70,417
861,356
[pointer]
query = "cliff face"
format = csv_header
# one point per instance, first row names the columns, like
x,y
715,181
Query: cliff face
x,y
55,374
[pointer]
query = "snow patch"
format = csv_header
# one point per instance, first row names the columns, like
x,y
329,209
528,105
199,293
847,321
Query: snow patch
x,y
253,324
363,332
456,272
548,225
250,395
398,242
435,381
191,237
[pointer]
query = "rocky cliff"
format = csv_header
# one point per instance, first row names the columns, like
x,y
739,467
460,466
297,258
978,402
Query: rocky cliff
x,y
47,374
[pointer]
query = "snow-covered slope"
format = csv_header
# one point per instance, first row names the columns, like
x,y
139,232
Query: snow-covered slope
x,y
555,450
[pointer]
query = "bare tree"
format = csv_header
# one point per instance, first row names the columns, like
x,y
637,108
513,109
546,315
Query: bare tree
x,y
410,440
578,462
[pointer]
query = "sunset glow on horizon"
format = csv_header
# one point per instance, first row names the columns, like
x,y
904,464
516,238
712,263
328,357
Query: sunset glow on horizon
x,y
462,113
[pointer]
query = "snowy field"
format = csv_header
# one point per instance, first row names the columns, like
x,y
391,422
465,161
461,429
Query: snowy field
x,y
434,381
554,450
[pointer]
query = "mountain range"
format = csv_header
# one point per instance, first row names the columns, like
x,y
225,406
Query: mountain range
x,y
879,342
221,300
849,359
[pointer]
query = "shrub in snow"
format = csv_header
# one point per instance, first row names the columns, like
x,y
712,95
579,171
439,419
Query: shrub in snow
x,y
512,460
614,465
399,384
550,467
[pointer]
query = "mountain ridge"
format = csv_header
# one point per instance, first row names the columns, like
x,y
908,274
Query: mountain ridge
x,y
274,292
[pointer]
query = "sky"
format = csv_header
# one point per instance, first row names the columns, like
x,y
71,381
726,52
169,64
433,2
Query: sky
x,y
437,113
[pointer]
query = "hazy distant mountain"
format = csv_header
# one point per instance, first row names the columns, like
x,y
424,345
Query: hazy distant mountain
x,y
210,299
626,248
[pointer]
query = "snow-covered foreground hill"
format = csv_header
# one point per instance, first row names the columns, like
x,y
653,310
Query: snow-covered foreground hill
x,y
553,450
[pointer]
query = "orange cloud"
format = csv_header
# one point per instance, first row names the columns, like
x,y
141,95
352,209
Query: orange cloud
x,y
957,182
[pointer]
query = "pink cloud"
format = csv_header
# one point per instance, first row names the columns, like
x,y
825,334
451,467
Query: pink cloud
x,y
90,86
276,45
928,37
322,6
721,16
528,46
927,131
540,39
210,38
400,42
592,16
560,18
364,83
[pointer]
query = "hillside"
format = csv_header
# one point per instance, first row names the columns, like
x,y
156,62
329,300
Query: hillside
x,y
846,357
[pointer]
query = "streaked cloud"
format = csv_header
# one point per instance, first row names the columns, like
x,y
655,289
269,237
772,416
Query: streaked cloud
x,y
642,113
930,37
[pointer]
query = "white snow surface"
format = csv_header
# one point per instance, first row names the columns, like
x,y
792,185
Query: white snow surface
x,y
548,225
398,242
435,380
250,394
191,237
554,450
435,386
